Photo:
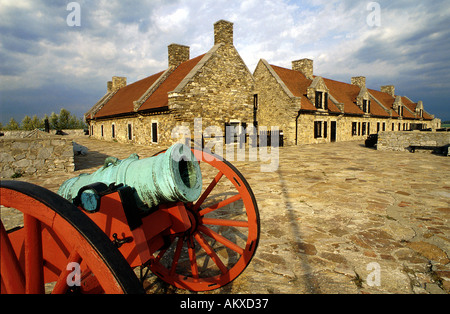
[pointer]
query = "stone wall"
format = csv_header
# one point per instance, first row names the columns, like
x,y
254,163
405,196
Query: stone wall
x,y
401,141
220,91
276,104
23,134
348,128
35,156
140,127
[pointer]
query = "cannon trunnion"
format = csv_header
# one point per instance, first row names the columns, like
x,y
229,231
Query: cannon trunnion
x,y
187,216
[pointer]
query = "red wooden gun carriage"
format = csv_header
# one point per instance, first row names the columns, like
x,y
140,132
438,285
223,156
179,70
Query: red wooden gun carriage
x,y
108,229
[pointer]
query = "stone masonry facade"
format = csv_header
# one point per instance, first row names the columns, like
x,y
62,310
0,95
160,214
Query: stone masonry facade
x,y
310,109
219,88
35,155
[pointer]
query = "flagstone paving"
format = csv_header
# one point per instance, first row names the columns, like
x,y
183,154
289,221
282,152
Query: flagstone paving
x,y
335,218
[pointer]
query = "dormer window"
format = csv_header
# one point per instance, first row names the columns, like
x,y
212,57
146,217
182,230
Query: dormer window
x,y
321,101
400,111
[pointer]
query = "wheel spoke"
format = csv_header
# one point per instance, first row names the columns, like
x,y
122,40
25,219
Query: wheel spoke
x,y
225,222
34,263
220,204
176,257
210,251
192,258
61,284
13,278
208,190
221,239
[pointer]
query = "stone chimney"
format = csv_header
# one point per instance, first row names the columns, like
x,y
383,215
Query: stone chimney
x,y
359,81
178,54
419,108
118,82
109,86
223,32
304,66
390,89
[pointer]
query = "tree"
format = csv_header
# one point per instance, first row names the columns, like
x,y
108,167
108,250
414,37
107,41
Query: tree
x,y
26,123
64,119
36,123
12,125
54,121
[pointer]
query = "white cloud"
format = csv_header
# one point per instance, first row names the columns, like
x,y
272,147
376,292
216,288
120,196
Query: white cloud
x,y
130,38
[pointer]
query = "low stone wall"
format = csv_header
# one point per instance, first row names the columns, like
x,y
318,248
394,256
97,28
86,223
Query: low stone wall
x,y
402,141
23,134
35,155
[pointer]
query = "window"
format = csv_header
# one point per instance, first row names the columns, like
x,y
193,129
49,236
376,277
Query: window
x,y
384,126
113,130
393,127
232,132
130,132
92,130
321,101
154,132
359,128
317,129
325,129
363,128
368,127
101,128
354,128
366,105
378,127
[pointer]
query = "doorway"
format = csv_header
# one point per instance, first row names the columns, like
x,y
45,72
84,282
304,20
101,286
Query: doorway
x,y
333,131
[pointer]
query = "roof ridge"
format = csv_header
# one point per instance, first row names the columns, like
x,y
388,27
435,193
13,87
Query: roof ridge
x,y
101,103
138,103
198,66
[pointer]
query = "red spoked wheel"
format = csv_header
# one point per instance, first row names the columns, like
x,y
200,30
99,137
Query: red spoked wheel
x,y
56,237
224,234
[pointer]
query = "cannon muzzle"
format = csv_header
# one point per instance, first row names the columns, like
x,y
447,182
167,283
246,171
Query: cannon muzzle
x,y
168,177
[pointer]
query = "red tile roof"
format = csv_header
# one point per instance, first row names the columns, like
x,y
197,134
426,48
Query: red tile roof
x,y
159,98
412,106
122,101
297,83
344,93
385,99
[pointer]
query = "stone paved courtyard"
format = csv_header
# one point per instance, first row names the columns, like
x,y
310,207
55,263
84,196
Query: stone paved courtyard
x,y
335,218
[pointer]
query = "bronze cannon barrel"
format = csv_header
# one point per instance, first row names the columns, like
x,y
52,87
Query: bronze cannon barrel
x,y
168,177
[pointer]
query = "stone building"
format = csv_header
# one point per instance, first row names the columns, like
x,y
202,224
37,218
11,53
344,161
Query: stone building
x,y
312,109
216,86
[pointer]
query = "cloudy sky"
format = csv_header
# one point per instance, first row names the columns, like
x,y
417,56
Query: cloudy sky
x,y
47,64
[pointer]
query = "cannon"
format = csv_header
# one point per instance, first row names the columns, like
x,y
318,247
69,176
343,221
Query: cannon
x,y
187,216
